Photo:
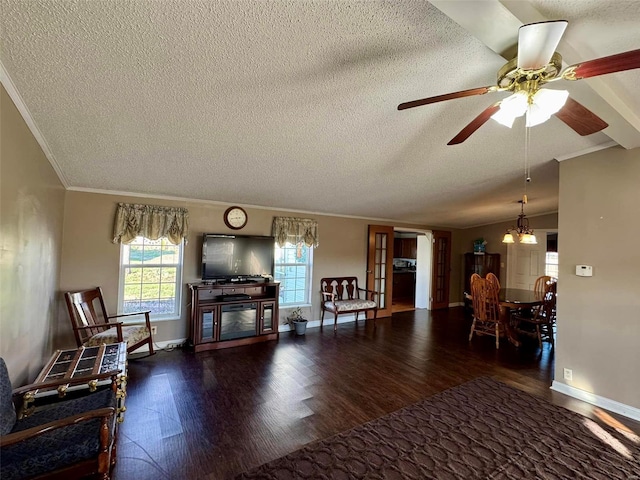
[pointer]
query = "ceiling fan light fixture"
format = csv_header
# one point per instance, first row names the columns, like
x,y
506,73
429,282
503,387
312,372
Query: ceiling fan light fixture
x,y
551,101
544,103
504,118
536,115
512,107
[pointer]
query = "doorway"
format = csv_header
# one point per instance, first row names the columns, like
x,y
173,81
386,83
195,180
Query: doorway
x,y
525,263
380,255
412,267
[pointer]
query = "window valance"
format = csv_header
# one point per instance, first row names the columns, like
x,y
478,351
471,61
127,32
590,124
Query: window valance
x,y
150,221
295,230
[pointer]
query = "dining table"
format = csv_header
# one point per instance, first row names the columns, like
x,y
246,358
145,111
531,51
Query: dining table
x,y
513,298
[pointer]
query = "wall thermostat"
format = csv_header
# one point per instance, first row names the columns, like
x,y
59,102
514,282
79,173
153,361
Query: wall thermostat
x,y
584,270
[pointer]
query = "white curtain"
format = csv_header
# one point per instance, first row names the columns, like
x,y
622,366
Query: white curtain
x,y
150,221
295,231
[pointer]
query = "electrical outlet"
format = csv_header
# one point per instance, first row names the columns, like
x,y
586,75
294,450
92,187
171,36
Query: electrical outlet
x,y
568,374
154,329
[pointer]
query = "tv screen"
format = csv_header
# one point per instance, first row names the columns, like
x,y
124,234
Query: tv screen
x,y
236,256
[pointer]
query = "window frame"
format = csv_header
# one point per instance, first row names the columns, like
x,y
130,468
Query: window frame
x,y
555,264
308,275
154,317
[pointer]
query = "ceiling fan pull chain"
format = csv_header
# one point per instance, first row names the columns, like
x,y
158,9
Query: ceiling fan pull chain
x,y
527,171
528,167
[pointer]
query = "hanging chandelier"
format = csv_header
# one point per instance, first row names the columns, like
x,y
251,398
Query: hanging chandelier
x,y
522,228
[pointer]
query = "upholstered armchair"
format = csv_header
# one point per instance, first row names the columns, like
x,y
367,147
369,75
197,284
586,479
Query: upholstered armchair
x,y
67,439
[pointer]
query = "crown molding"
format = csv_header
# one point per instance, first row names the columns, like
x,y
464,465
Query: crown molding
x,y
11,89
244,205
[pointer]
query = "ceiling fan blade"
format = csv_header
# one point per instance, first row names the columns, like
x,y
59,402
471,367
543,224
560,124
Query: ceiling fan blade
x,y
448,96
537,42
601,66
475,124
580,118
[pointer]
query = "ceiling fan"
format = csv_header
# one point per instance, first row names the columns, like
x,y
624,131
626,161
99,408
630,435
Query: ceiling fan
x,y
537,64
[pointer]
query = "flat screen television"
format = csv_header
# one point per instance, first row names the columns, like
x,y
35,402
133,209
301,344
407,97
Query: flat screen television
x,y
226,257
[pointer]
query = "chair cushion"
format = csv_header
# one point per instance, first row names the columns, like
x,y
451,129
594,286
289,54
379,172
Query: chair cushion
x,y
60,447
7,409
349,305
131,334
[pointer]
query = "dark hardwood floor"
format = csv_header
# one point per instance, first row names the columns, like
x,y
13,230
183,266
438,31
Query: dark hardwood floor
x,y
403,305
216,414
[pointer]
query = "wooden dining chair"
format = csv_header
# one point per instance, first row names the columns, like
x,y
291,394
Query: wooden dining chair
x,y
543,284
542,324
493,279
468,305
486,309
93,326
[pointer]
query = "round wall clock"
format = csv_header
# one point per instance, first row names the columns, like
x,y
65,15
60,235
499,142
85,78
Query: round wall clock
x,y
235,218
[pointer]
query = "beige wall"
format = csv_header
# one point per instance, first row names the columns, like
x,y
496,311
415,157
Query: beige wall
x,y
31,215
599,316
37,266
493,235
89,258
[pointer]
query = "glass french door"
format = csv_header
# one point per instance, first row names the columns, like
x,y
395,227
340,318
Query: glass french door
x,y
380,266
441,269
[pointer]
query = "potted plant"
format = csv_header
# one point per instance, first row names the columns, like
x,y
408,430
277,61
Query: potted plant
x,y
297,320
479,246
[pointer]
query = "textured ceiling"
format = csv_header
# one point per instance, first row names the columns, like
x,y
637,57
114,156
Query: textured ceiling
x,y
292,104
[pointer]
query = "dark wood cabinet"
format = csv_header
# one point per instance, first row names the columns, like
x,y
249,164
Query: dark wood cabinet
x,y
405,248
480,264
410,247
397,248
268,320
227,315
404,285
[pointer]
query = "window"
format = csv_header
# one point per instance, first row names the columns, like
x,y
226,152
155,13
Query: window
x,y
293,270
551,267
150,278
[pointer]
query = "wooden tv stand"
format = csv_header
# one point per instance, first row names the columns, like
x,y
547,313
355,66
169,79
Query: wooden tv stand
x,y
233,313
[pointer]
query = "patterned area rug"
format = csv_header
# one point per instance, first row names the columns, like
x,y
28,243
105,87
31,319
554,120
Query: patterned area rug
x,y
481,429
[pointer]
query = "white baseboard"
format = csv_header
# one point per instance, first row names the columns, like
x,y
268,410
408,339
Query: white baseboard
x,y
161,345
328,320
602,402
